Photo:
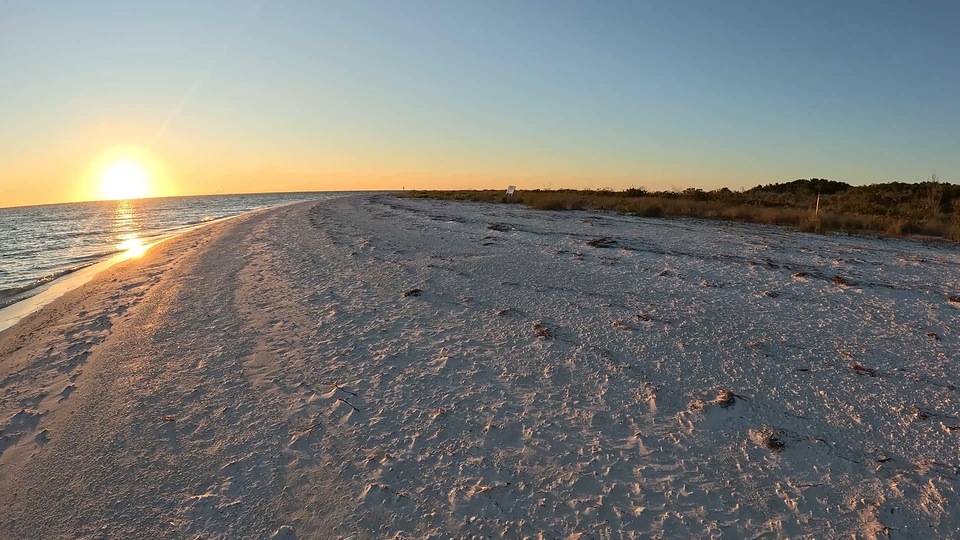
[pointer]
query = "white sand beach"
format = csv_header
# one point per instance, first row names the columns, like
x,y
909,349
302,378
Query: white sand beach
x,y
374,367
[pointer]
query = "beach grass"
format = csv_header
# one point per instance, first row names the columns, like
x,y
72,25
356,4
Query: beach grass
x,y
835,214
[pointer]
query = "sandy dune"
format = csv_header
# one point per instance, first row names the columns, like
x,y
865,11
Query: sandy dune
x,y
371,367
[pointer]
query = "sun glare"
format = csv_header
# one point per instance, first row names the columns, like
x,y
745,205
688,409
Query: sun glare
x,y
123,180
132,248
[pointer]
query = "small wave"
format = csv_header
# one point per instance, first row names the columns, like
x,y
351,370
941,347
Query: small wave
x,y
204,219
80,234
82,259
12,292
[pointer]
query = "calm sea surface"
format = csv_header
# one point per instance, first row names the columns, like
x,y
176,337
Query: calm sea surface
x,y
41,243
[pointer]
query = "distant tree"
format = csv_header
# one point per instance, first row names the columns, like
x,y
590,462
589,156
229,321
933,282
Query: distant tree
x,y
828,187
934,195
804,187
696,194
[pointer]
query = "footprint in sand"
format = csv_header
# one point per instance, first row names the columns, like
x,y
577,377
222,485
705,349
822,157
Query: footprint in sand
x,y
16,426
66,393
503,435
285,532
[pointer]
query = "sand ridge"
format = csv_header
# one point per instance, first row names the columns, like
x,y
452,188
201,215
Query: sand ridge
x,y
374,367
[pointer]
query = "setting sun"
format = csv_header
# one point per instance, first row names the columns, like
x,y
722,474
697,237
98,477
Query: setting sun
x,y
125,179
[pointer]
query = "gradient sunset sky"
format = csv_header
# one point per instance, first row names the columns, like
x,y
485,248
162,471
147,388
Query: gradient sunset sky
x,y
288,95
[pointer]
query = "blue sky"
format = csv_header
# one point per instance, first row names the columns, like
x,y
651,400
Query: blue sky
x,y
290,94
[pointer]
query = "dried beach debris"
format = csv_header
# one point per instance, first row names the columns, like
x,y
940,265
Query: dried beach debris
x,y
863,370
919,414
642,317
507,312
541,330
841,281
725,398
412,292
767,437
603,242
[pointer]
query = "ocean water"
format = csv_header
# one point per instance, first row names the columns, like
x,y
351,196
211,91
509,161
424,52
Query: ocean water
x,y
39,244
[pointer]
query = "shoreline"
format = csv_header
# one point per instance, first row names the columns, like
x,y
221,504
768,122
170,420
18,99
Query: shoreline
x,y
49,291
369,366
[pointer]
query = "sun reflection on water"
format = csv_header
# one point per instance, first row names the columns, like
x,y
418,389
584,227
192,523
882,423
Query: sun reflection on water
x,y
126,225
132,247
